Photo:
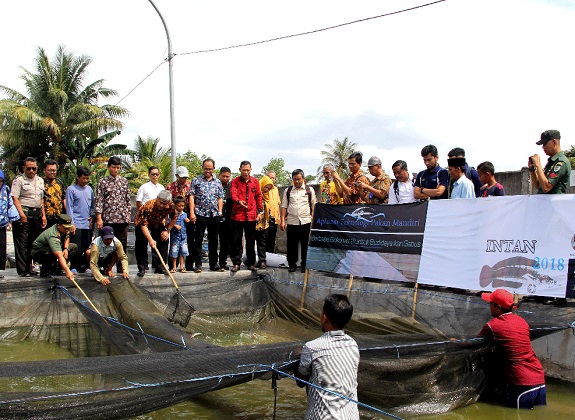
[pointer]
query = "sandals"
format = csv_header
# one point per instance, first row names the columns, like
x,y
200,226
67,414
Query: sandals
x,y
173,270
183,270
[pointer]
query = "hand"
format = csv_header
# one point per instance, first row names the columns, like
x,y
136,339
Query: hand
x,y
536,160
193,218
125,275
283,225
73,230
99,223
23,218
44,222
243,204
110,273
165,235
152,244
178,227
69,275
259,217
105,281
186,220
65,254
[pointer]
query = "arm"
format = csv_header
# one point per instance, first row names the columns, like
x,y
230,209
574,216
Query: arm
x,y
192,204
538,175
63,264
340,187
123,258
23,217
94,257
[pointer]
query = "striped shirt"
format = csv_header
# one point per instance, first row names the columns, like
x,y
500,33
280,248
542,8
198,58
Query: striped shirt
x,y
332,362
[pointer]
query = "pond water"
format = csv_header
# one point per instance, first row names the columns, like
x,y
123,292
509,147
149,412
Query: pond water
x,y
255,400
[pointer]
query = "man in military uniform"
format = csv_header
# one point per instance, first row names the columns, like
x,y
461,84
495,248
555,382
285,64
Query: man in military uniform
x,y
554,177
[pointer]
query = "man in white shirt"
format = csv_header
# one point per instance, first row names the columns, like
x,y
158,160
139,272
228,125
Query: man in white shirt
x,y
150,189
401,190
296,212
462,186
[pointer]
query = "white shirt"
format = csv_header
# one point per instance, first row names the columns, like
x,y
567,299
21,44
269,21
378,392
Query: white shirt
x,y
148,191
298,208
463,188
404,193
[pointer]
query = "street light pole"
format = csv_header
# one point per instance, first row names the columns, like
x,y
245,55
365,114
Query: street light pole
x,y
171,81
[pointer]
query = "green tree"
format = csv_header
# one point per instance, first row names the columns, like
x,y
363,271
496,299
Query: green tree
x,y
336,154
59,113
570,154
283,176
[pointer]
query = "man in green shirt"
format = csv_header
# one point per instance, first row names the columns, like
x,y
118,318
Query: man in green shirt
x,y
52,248
554,177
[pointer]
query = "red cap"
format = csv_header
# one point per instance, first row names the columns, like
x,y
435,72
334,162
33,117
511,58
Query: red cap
x,y
500,297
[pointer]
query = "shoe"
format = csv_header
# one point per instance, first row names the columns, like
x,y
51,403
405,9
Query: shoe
x,y
198,268
292,269
224,267
1,276
263,266
235,268
141,273
24,274
252,267
214,268
160,271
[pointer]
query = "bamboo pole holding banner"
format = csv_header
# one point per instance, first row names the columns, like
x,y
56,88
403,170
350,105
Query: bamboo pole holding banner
x,y
349,285
414,307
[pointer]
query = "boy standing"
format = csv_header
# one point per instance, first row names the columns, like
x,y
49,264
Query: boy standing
x,y
486,172
178,237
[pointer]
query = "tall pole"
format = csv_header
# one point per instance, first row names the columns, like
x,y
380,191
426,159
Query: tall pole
x,y
171,81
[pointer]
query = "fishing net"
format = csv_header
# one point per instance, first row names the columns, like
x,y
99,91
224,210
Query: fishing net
x,y
407,365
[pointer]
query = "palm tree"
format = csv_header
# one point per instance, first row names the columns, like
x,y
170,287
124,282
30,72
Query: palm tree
x,y
336,154
60,116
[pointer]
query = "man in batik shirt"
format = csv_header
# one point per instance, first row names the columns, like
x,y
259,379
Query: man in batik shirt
x,y
113,206
54,194
351,189
377,192
327,189
150,224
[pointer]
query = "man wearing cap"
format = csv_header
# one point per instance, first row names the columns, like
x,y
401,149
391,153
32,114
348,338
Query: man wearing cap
x,y
510,334
462,186
432,183
53,249
554,177
377,192
401,190
150,224
181,187
104,252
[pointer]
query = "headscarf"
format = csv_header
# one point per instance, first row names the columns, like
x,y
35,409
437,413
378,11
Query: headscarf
x,y
266,180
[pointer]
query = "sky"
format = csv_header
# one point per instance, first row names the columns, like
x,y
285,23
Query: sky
x,y
485,75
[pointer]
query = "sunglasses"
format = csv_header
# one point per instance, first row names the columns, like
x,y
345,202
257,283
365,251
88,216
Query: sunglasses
x,y
31,169
154,174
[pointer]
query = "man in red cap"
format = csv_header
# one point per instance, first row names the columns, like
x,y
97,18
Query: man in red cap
x,y
510,333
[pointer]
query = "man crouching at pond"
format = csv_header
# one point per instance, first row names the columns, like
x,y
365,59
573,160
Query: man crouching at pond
x,y
52,248
331,362
104,252
510,333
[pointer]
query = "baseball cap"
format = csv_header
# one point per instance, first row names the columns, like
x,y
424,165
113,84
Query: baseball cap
x,y
107,232
549,135
374,160
500,297
182,172
65,220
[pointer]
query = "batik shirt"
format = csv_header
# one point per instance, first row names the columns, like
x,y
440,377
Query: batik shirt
x,y
54,195
356,196
113,200
153,216
381,183
180,190
328,193
206,194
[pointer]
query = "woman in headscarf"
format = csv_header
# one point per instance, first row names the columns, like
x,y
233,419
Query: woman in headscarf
x,y
266,184
5,203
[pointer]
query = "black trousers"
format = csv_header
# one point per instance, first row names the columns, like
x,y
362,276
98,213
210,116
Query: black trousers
x,y
226,238
261,239
50,264
191,237
141,248
249,230
212,224
297,235
24,235
3,248
271,233
82,238
120,232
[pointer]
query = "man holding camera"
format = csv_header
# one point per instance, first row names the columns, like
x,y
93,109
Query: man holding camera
x,y
554,177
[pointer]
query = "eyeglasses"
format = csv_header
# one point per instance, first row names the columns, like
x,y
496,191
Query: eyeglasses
x,y
50,170
31,169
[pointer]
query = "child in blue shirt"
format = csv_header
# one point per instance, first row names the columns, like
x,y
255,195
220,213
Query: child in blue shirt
x,y
178,237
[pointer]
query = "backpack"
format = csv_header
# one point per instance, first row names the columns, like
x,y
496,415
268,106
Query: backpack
x,y
307,191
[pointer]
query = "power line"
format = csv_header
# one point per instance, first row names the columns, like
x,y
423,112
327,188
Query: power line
x,y
142,81
249,44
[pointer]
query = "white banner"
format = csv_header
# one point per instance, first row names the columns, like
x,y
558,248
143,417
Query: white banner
x,y
520,243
